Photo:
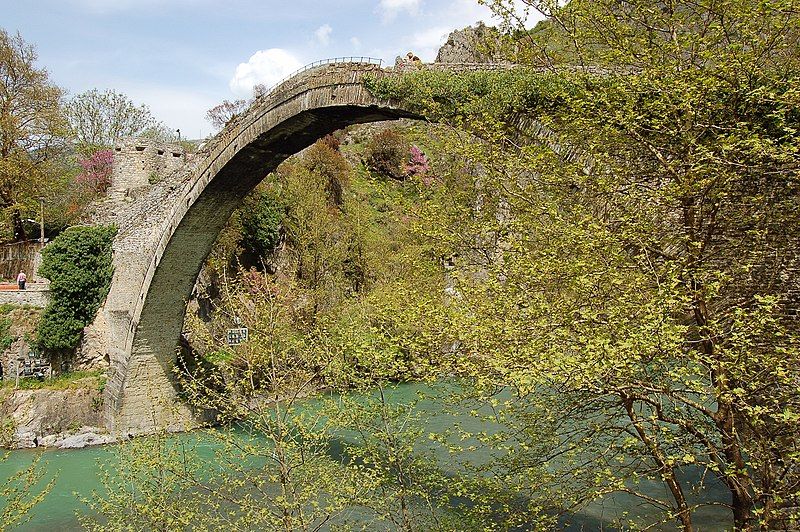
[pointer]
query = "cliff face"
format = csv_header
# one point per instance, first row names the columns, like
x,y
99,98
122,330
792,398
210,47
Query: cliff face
x,y
479,44
51,417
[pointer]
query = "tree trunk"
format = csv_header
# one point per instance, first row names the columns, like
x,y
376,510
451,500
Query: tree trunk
x,y
19,228
742,505
683,512
739,482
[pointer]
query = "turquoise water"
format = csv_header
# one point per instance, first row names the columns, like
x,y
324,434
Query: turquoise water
x,y
77,476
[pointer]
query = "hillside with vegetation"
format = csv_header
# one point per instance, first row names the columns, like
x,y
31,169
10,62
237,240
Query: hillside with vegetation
x,y
611,236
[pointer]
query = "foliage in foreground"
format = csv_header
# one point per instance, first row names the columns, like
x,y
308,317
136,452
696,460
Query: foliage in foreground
x,y
345,462
79,266
20,493
626,273
640,210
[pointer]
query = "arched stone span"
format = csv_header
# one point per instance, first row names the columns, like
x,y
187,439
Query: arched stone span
x,y
165,236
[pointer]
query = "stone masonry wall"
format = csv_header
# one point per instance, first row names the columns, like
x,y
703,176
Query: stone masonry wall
x,y
139,163
24,256
34,297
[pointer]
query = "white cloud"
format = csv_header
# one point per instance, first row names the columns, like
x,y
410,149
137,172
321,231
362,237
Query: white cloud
x,y
458,14
430,37
426,43
323,34
389,9
468,12
355,42
265,66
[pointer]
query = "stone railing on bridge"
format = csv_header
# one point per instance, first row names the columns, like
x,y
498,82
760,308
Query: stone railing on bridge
x,y
297,74
406,67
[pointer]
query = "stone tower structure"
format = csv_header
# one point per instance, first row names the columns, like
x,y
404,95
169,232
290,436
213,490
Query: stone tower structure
x,y
140,163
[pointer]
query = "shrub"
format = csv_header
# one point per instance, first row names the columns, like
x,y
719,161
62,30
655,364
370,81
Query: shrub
x,y
78,264
331,141
418,163
322,160
96,170
262,217
387,153
6,339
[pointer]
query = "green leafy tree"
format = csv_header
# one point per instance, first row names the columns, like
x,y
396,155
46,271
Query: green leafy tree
x,y
98,119
33,131
312,188
638,240
261,218
79,265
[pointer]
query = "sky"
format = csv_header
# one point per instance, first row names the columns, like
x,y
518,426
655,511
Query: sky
x,y
182,57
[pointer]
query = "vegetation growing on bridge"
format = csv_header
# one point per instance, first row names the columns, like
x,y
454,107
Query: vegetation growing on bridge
x,y
79,265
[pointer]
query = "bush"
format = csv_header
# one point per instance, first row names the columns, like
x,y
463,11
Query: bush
x,y
5,333
97,170
331,141
387,153
324,161
78,264
418,163
262,217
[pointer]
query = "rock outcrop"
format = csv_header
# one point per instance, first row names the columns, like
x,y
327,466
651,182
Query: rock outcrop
x,y
479,44
49,417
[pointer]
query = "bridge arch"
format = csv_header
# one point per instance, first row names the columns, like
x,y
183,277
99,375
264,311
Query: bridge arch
x,y
166,236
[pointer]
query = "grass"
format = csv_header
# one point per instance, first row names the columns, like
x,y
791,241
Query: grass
x,y
5,335
67,381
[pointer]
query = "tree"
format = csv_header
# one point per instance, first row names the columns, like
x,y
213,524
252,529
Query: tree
x,y
33,129
387,154
98,119
21,492
645,250
223,113
97,170
79,266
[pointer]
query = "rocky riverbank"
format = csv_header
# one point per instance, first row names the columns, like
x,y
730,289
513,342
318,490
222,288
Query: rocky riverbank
x,y
66,419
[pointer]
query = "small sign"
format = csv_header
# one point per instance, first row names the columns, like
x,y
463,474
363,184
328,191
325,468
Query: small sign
x,y
237,336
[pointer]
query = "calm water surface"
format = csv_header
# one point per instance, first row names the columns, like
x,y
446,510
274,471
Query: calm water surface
x,y
77,476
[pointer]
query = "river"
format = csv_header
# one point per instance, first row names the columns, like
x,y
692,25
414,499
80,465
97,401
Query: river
x,y
77,476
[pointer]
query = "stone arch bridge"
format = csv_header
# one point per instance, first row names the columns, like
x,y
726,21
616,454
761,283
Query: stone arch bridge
x,y
166,230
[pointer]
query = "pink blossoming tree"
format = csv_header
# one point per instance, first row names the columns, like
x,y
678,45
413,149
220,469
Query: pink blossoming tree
x,y
96,172
418,166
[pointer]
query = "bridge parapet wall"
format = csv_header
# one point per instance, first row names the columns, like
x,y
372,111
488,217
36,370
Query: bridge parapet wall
x,y
406,67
